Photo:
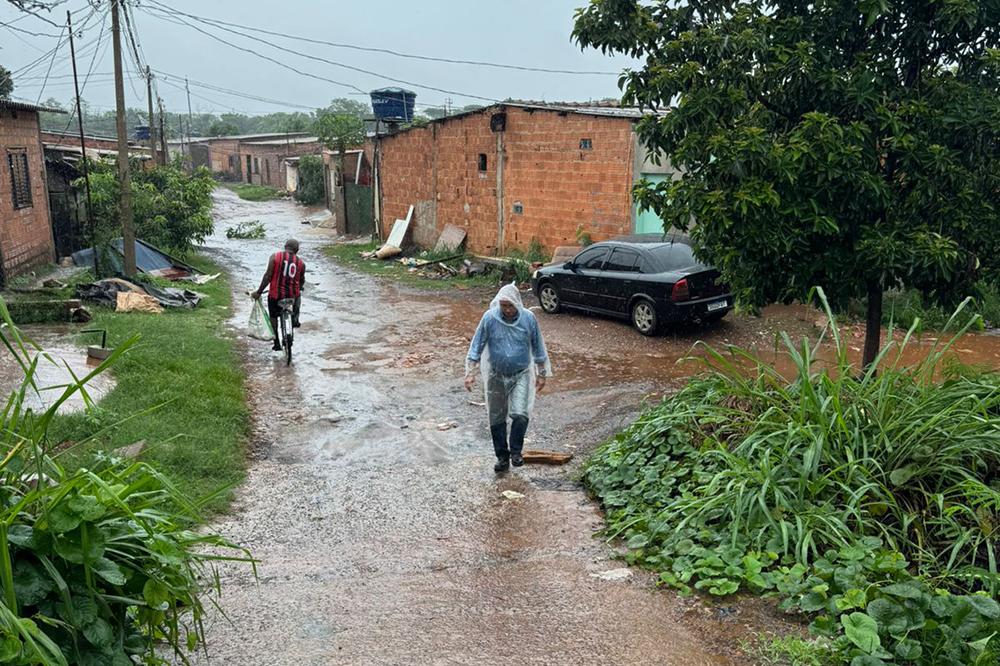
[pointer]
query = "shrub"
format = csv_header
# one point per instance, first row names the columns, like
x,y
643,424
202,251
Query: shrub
x,y
311,189
866,498
98,564
172,209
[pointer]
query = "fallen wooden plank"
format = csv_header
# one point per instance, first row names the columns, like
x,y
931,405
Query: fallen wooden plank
x,y
546,457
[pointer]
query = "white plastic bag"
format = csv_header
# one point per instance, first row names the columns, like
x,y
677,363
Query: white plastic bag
x,y
260,324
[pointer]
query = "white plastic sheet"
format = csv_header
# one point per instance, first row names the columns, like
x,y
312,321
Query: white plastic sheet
x,y
260,324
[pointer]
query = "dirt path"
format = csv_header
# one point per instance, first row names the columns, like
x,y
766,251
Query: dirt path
x,y
384,540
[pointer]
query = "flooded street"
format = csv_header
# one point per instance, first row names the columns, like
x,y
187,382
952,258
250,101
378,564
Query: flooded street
x,y
385,540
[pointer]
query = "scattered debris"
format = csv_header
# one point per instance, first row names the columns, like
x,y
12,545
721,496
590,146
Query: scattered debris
x,y
80,315
250,230
451,239
148,259
133,450
66,262
202,279
387,252
130,301
52,283
613,575
512,495
105,292
546,457
447,425
477,404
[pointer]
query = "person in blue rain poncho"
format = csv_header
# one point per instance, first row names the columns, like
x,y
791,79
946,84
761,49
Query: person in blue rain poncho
x,y
509,352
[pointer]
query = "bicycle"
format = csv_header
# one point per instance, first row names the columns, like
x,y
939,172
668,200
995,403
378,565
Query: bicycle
x,y
286,314
286,306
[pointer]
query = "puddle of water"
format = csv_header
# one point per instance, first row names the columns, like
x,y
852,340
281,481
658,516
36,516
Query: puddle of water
x,y
58,362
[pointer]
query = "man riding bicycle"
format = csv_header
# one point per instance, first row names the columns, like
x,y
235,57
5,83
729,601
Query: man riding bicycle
x,y
284,279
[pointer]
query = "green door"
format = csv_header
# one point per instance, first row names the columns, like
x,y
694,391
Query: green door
x,y
648,222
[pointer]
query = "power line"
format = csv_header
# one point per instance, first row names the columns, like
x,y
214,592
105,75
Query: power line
x,y
10,26
41,59
90,69
264,57
399,54
49,71
159,14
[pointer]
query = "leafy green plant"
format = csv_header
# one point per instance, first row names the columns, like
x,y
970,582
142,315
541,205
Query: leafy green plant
x,y
172,208
792,651
310,191
583,237
249,192
834,488
247,230
98,564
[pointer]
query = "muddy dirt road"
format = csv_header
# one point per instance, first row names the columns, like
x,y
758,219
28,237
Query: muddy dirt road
x,y
385,540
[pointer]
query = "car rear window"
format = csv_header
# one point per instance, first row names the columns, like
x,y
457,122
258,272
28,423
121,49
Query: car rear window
x,y
622,260
676,256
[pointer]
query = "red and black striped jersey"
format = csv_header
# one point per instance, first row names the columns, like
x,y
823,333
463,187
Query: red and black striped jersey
x,y
286,276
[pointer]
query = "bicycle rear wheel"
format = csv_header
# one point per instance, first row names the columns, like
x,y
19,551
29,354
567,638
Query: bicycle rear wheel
x,y
287,338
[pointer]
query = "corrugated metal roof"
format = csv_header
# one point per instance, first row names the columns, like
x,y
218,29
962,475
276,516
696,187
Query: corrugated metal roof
x,y
282,142
242,137
18,105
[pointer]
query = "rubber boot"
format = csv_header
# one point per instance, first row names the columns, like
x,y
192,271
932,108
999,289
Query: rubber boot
x,y
499,434
518,427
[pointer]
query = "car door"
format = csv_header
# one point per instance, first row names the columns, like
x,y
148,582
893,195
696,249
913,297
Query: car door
x,y
617,282
580,284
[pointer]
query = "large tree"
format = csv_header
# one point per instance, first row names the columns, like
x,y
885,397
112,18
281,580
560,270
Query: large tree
x,y
848,144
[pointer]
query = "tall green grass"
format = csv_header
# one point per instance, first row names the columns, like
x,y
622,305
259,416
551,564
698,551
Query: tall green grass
x,y
183,374
99,563
828,483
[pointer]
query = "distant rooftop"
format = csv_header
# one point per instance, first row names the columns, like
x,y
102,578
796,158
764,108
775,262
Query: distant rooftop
x,y
18,105
244,137
284,141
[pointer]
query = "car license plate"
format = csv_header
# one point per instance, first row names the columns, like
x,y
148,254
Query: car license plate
x,y
717,305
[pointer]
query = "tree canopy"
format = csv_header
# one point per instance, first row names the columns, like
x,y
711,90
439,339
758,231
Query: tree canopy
x,y
845,143
340,131
6,83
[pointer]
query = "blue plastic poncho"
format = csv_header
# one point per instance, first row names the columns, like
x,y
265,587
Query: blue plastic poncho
x,y
510,354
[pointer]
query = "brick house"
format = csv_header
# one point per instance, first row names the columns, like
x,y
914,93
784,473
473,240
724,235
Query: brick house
x,y
254,158
516,172
25,222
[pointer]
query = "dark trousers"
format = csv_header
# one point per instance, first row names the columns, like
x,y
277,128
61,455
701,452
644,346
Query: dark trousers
x,y
274,311
518,426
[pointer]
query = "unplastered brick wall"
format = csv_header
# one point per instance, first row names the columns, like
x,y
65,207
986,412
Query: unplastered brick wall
x,y
562,172
25,233
566,172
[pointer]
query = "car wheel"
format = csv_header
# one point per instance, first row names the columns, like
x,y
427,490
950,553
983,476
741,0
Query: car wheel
x,y
644,317
548,297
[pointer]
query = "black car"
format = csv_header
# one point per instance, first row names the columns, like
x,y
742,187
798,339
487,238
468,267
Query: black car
x,y
650,283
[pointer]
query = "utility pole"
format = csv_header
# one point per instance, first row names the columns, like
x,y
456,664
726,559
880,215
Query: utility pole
x,y
91,222
188,90
124,177
152,119
163,135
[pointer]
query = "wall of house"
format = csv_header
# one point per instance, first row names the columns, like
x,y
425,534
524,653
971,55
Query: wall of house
x,y
553,184
273,154
25,233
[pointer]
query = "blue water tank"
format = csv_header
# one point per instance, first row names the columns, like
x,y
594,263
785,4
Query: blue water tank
x,y
393,104
142,132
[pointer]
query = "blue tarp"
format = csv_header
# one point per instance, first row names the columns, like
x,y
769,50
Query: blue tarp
x,y
148,259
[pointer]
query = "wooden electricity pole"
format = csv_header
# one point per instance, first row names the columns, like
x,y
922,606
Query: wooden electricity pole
x,y
152,120
124,177
164,156
91,222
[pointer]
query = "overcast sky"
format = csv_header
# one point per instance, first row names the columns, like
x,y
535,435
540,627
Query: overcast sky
x,y
529,33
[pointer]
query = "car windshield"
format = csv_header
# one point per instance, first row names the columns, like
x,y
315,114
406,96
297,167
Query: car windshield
x,y
676,256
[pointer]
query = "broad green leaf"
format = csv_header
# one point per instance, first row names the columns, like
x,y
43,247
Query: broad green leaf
x,y
156,594
861,630
985,606
99,633
109,571
901,475
88,507
31,582
905,590
10,647
908,649
853,598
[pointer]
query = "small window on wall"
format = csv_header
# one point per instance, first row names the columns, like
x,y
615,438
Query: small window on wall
x,y
256,165
20,179
586,144
482,161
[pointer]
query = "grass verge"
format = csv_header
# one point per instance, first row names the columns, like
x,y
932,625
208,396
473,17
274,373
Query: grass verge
x,y
867,500
350,255
250,192
180,388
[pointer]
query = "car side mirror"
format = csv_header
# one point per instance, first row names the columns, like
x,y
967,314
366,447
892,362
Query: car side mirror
x,y
570,266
